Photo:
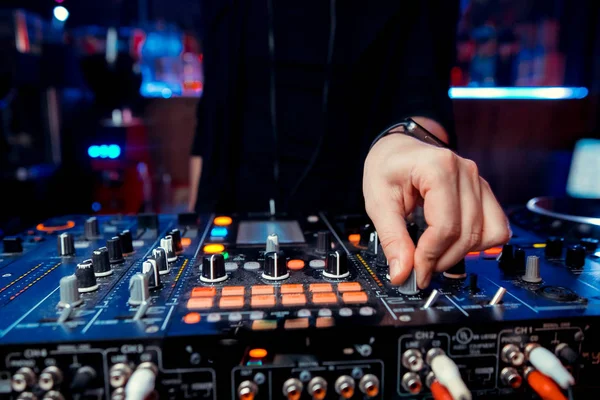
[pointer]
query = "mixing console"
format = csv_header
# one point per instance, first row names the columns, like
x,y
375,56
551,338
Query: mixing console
x,y
261,307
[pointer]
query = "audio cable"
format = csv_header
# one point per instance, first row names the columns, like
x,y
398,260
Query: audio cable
x,y
448,374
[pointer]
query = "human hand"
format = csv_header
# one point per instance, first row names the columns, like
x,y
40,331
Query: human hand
x,y
461,211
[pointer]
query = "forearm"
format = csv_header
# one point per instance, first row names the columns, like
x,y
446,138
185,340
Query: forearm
x,y
195,174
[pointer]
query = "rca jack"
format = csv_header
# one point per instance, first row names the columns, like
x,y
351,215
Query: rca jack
x,y
292,389
317,388
369,385
510,377
512,355
247,390
412,359
344,386
411,382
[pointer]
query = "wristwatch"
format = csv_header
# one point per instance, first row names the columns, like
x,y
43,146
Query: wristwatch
x,y
411,128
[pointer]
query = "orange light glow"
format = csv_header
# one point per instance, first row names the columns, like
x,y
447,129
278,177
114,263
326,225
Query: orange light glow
x,y
213,248
473,253
493,251
191,318
354,238
258,353
222,221
186,241
49,229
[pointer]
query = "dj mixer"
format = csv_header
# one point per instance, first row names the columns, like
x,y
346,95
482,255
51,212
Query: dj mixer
x,y
299,307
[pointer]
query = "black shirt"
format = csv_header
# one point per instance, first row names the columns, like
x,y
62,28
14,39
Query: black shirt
x,y
374,63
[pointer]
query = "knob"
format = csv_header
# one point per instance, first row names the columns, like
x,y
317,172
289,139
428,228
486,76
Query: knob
x,y
519,259
381,259
101,262
160,256
458,271
147,222
83,379
275,267
414,232
115,251
12,245
554,247
435,294
167,244
65,244
373,247
86,279
213,268
506,258
409,287
272,243
575,257
365,235
497,296
566,354
177,245
323,242
126,241
473,284
91,228
336,265
69,292
532,270
589,244
150,270
139,289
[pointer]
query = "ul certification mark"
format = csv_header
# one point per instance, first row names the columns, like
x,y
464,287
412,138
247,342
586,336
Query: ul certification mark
x,y
464,335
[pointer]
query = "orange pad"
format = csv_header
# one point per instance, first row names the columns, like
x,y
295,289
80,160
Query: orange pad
x,y
354,297
233,291
320,287
295,265
293,299
262,289
325,322
324,298
296,323
191,318
292,288
349,287
231,302
199,303
264,325
204,292
263,300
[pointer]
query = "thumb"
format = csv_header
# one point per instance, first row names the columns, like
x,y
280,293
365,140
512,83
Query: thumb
x,y
395,240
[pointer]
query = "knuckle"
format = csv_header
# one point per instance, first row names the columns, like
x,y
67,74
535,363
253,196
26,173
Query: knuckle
x,y
450,231
471,167
503,236
447,160
474,239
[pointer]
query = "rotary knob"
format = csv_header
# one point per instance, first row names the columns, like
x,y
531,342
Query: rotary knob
x,y
160,256
373,247
150,270
69,292
506,258
91,228
414,232
101,262
381,260
554,247
323,242
176,236
139,290
519,259
115,251
126,241
575,257
589,244
532,270
275,267
272,243
336,265
409,287
86,279
65,244
167,244
458,271
213,269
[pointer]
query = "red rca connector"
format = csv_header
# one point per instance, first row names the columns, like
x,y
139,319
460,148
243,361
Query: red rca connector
x,y
543,385
438,391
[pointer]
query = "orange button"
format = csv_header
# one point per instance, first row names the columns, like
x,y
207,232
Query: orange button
x,y
324,298
213,248
264,325
349,287
231,302
354,297
292,288
263,300
199,303
262,289
473,253
493,251
354,238
320,287
186,241
325,322
233,291
293,299
295,265
191,318
296,323
257,353
204,291
222,221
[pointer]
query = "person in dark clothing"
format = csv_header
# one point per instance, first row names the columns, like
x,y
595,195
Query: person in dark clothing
x,y
295,93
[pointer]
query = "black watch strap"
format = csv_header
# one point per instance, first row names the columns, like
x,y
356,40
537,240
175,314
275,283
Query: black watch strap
x,y
411,128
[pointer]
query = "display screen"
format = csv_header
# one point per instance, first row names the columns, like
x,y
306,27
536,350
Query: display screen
x,y
584,175
256,232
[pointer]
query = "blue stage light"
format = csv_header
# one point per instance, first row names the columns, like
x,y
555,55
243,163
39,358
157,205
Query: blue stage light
x,y
518,93
61,13
218,231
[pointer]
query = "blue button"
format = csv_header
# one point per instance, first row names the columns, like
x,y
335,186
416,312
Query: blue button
x,y
218,231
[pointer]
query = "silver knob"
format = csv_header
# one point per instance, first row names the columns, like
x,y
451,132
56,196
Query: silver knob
x,y
409,287
373,247
272,243
532,270
139,290
497,296
160,255
69,292
65,244
150,269
167,244
432,299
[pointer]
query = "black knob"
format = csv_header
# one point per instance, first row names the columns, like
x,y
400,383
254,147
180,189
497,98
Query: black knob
x,y
150,270
91,228
381,260
83,379
126,241
12,245
575,257
589,244
506,259
554,247
101,262
336,265
458,271
160,255
414,232
65,244
473,283
147,222
365,234
519,259
275,266
115,251
176,235
323,242
213,268
86,279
